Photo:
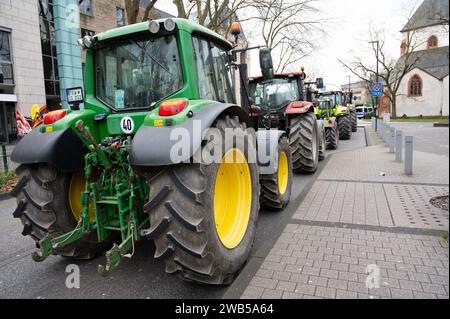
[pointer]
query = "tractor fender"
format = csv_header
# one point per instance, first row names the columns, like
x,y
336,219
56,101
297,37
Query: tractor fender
x,y
153,146
298,107
329,123
267,141
61,149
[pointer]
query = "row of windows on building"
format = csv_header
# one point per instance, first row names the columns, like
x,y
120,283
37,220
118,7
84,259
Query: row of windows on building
x,y
432,43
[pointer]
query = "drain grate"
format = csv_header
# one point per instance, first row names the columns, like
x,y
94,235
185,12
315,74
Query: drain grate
x,y
411,206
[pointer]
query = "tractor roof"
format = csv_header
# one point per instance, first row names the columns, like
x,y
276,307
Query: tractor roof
x,y
182,24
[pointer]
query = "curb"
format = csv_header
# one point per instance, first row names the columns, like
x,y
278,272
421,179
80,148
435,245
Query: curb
x,y
5,196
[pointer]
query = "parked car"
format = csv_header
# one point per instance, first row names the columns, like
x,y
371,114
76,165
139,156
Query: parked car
x,y
364,111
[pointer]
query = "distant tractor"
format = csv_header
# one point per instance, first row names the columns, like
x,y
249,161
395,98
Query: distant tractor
x,y
281,102
349,99
325,111
341,112
160,150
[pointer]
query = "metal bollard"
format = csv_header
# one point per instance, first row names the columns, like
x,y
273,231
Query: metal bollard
x,y
398,145
5,158
386,133
380,129
409,155
392,141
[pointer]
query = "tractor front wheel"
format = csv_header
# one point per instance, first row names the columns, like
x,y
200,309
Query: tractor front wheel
x,y
203,216
354,121
332,137
304,142
276,188
49,202
345,127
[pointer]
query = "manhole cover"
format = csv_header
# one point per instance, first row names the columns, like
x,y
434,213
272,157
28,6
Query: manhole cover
x,y
440,202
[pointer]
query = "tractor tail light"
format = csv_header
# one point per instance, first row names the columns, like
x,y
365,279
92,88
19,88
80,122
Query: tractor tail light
x,y
54,116
171,107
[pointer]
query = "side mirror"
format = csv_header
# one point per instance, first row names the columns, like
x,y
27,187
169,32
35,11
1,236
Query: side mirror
x,y
319,83
266,63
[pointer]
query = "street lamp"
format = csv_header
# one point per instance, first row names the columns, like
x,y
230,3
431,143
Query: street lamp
x,y
377,79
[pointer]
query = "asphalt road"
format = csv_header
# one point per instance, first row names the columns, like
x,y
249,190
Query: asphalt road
x,y
140,277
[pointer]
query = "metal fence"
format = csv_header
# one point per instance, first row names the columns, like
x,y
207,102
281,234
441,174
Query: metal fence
x,y
6,163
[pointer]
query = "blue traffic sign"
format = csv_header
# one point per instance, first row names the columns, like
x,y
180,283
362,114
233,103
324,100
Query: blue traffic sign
x,y
377,89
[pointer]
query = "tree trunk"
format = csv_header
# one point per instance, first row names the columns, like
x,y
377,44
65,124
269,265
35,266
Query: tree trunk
x,y
394,107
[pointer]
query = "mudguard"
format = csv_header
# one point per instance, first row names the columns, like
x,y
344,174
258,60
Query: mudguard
x,y
298,107
268,150
341,110
152,146
327,123
62,149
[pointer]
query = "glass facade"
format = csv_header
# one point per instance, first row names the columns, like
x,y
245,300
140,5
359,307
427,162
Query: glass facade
x,y
49,57
6,67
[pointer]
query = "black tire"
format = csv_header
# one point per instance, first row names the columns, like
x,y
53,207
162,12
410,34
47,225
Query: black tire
x,y
271,197
43,206
354,121
304,142
345,127
181,210
323,146
332,137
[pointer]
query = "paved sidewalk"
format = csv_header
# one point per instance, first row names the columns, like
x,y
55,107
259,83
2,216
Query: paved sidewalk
x,y
358,229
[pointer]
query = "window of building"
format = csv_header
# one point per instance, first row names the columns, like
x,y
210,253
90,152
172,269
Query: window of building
x,y
6,67
86,32
213,71
48,44
120,17
415,86
86,7
432,42
403,48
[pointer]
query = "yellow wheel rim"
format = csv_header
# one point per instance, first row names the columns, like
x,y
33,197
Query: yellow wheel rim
x,y
77,184
232,198
283,173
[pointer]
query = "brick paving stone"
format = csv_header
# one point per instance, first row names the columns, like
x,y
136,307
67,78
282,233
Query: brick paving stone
x,y
286,286
411,266
272,294
324,292
305,289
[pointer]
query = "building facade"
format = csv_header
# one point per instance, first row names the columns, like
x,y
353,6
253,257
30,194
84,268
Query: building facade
x,y
39,56
424,90
21,69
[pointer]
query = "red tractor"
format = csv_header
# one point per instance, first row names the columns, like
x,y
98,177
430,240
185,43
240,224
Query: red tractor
x,y
284,102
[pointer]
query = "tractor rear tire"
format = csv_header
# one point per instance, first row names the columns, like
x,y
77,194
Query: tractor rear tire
x,y
182,211
275,190
304,142
345,127
354,121
332,137
323,146
43,207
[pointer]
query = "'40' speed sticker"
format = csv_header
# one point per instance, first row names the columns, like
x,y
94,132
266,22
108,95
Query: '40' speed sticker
x,y
127,125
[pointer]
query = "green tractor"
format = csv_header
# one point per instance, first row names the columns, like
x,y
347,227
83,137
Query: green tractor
x,y
284,101
160,150
341,112
325,111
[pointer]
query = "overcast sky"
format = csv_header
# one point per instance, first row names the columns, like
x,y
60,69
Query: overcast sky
x,y
347,31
